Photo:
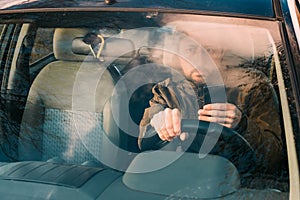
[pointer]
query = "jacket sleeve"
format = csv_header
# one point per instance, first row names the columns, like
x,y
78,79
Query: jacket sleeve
x,y
263,129
163,98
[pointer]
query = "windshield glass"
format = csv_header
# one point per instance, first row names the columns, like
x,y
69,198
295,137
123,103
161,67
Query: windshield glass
x,y
149,95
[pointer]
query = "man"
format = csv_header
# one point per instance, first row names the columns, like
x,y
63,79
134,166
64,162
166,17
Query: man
x,y
250,108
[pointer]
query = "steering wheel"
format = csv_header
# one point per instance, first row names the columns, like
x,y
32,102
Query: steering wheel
x,y
230,144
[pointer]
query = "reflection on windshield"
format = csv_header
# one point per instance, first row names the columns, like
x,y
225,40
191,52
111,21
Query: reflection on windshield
x,y
103,95
6,4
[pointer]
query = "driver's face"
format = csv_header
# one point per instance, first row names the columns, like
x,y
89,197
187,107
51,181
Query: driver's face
x,y
192,73
192,52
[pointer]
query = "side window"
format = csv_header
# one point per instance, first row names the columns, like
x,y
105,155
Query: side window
x,y
297,7
296,20
43,44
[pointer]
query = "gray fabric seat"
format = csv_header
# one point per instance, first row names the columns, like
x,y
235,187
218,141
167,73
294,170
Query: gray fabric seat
x,y
68,115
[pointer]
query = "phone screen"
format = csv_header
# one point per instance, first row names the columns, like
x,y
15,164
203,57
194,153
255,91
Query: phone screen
x,y
214,94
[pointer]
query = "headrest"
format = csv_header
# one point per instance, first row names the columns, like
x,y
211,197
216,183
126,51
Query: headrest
x,y
69,45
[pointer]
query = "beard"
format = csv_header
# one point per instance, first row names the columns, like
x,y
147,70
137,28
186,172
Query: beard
x,y
195,77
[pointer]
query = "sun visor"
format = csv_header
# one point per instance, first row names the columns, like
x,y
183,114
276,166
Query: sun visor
x,y
237,43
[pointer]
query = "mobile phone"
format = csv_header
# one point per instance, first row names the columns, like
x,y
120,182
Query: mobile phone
x,y
214,94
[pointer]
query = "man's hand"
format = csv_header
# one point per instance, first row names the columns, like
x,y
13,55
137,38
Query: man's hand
x,y
167,124
225,114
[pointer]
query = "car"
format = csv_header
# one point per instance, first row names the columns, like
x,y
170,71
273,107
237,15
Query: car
x,y
78,75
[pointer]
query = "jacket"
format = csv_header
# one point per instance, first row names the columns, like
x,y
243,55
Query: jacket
x,y
248,89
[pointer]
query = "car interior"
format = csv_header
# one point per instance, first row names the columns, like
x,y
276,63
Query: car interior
x,y
74,111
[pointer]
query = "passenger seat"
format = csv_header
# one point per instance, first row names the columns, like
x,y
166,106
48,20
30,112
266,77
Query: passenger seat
x,y
68,113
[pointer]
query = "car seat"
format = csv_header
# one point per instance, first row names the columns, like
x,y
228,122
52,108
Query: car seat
x,y
68,115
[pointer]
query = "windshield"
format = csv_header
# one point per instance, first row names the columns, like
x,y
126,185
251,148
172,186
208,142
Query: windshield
x,y
149,95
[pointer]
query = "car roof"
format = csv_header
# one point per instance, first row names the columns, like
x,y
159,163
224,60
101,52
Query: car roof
x,y
258,8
